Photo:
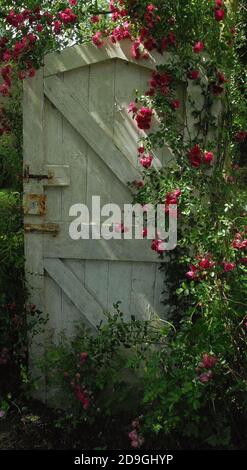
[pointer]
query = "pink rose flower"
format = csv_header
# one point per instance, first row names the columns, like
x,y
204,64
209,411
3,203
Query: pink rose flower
x,y
208,157
194,74
198,47
97,39
219,14
229,266
209,361
146,161
157,245
205,377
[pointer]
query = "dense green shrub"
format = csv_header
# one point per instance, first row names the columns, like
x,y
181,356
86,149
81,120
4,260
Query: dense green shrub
x,y
17,317
100,374
180,389
11,140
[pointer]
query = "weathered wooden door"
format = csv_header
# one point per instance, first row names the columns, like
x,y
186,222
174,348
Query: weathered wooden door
x,y
80,141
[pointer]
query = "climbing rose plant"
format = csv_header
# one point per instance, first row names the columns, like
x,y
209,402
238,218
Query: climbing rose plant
x,y
194,105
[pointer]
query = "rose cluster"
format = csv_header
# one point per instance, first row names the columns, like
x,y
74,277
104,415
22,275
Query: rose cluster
x,y
239,242
197,157
28,28
80,391
135,439
198,270
208,362
160,82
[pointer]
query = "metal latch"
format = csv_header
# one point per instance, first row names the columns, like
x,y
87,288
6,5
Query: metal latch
x,y
52,229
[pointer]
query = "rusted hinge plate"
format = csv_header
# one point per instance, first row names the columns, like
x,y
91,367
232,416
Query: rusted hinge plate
x,y
34,204
28,175
52,229
52,175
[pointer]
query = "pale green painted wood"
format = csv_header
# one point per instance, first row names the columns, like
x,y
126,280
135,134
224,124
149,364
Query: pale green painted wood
x,y
85,302
64,98
86,128
62,247
83,55
33,150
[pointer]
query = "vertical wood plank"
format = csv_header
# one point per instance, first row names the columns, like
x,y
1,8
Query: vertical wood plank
x,y
53,156
75,148
53,295
96,280
70,314
142,290
119,286
160,290
33,119
101,106
127,80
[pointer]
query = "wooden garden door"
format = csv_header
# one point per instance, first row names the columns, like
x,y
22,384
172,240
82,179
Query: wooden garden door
x,y
80,141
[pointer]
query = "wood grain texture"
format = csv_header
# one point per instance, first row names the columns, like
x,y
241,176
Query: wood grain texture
x,y
85,302
33,149
64,98
62,247
81,128
83,55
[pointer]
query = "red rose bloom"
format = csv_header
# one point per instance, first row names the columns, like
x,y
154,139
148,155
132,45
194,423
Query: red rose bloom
x,y
57,27
132,108
221,78
157,245
83,357
205,263
172,197
97,39
194,74
175,104
192,273
240,136
198,47
216,89
4,89
229,266
219,14
21,75
206,377
195,156
209,361
32,72
144,117
208,157
146,161
94,19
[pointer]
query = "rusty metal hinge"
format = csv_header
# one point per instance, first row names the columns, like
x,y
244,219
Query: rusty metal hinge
x,y
34,204
52,229
27,175
51,175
